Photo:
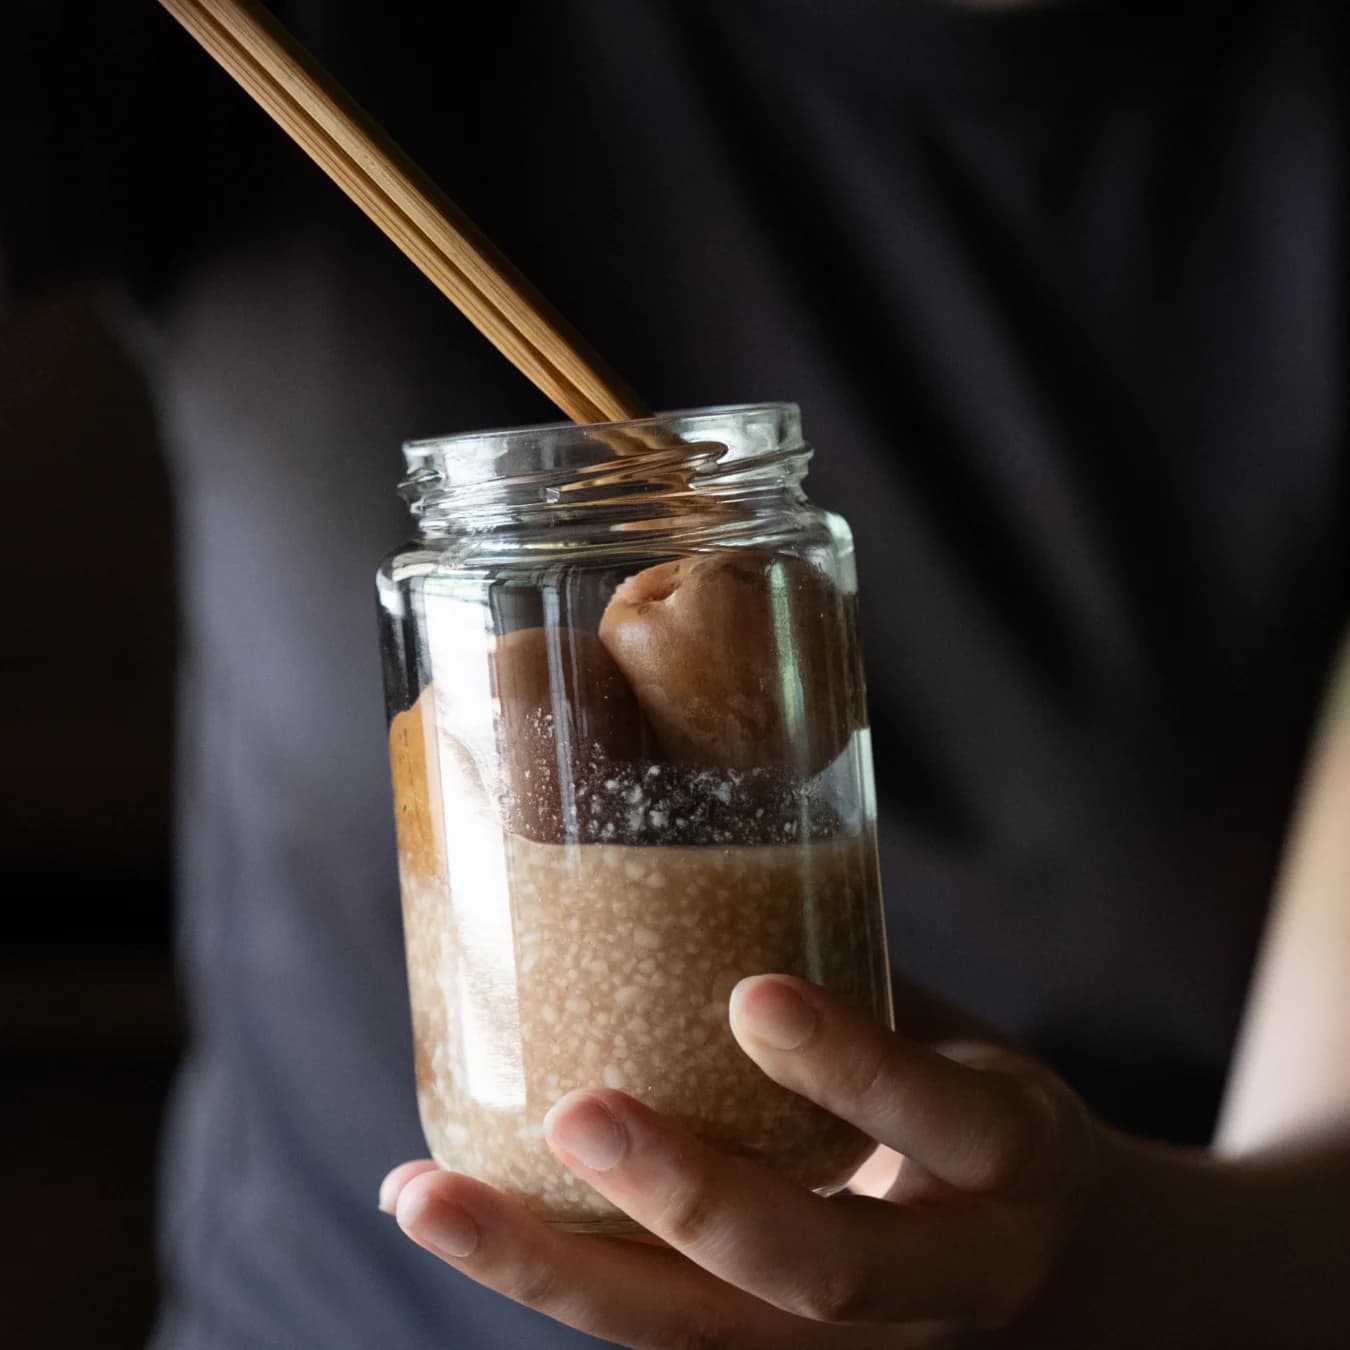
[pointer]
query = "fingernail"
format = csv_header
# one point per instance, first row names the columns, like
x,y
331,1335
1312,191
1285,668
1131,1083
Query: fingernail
x,y
582,1127
443,1227
773,1012
389,1189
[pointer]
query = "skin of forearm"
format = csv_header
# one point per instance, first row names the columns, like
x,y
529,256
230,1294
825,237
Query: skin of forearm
x,y
1293,1062
1246,1245
1182,1248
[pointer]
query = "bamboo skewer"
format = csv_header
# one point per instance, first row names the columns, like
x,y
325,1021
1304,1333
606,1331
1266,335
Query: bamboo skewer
x,y
324,120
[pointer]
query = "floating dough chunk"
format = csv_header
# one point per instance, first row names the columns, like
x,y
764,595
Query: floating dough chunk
x,y
435,779
413,767
567,715
740,660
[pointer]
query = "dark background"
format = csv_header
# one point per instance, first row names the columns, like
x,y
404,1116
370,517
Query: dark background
x,y
89,1024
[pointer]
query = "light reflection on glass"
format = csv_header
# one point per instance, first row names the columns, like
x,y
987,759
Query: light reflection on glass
x,y
481,982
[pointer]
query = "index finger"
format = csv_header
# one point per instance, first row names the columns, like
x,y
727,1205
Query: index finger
x,y
979,1130
648,1298
830,1260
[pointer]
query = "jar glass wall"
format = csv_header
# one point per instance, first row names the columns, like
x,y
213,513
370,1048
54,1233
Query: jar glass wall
x,y
631,765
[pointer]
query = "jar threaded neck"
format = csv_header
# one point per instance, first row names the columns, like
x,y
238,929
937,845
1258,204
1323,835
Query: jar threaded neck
x,y
674,464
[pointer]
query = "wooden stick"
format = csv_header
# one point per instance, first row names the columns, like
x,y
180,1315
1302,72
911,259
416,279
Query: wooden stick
x,y
328,124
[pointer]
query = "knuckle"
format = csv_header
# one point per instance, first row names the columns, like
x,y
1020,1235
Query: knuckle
x,y
837,1295
858,1076
1004,1154
534,1284
690,1214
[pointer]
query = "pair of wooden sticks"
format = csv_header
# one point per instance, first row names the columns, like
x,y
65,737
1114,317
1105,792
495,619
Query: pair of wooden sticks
x,y
403,201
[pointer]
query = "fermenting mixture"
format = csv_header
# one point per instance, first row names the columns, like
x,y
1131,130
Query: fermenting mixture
x,y
578,911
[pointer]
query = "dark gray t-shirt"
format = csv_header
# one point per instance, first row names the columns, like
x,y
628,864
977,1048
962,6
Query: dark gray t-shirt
x,y
1061,294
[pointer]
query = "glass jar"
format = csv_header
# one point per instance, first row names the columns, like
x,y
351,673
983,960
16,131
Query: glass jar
x,y
631,765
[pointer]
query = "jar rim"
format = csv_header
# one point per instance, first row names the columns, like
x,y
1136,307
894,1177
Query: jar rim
x,y
669,464
782,418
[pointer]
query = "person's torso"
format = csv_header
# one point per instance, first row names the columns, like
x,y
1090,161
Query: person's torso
x,y
1061,303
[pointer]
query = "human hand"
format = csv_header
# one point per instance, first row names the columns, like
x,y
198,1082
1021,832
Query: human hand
x,y
999,1161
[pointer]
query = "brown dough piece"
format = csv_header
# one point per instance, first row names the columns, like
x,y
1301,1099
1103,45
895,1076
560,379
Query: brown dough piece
x,y
699,641
567,716
413,764
436,786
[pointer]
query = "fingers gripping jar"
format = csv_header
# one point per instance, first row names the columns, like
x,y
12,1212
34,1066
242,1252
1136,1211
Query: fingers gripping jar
x,y
631,766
